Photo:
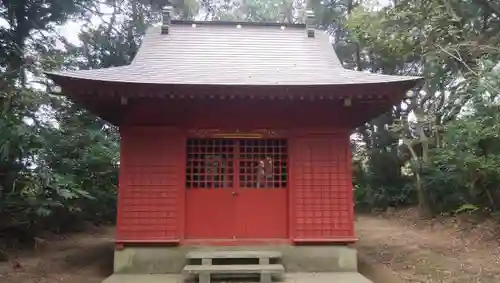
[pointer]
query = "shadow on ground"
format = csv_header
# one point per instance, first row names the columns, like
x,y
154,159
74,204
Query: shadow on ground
x,y
98,257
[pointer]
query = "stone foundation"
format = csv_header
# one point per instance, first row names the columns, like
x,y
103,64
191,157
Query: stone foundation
x,y
165,260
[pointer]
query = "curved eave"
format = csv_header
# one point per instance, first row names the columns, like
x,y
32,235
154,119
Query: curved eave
x,y
108,98
365,80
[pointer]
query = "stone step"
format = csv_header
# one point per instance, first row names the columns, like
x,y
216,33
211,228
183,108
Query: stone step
x,y
234,268
233,254
205,271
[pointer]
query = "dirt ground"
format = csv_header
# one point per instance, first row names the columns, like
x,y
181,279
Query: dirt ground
x,y
392,249
448,251
77,258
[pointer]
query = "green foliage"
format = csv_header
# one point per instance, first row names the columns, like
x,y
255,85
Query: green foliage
x,y
467,169
379,182
448,151
470,208
58,164
462,173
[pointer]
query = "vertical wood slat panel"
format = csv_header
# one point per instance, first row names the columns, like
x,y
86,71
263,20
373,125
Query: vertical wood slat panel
x,y
151,183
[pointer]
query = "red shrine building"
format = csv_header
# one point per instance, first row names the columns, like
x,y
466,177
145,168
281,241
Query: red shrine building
x,y
234,134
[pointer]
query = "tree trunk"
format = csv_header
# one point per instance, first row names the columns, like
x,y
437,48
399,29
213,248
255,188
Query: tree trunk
x,y
423,203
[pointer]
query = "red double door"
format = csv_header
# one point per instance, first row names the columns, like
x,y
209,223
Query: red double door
x,y
236,189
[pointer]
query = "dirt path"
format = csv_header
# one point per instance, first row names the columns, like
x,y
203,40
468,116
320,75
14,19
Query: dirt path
x,y
390,251
427,255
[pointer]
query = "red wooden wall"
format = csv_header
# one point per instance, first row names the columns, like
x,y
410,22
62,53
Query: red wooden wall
x,y
242,113
151,202
321,189
151,178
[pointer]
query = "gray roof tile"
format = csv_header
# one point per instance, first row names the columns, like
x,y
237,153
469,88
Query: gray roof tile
x,y
216,54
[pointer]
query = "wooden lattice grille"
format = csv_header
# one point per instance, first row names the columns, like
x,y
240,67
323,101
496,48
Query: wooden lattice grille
x,y
224,163
210,163
262,163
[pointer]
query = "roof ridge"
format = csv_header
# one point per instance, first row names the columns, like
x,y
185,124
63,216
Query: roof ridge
x,y
242,23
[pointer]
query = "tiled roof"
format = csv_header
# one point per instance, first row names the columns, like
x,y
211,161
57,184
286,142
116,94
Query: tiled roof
x,y
231,54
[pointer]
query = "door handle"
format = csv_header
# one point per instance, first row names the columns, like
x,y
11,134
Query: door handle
x,y
235,194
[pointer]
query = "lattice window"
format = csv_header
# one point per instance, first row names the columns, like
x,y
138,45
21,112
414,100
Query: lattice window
x,y
210,163
256,163
263,163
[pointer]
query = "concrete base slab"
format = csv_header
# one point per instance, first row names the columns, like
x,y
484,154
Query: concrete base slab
x,y
171,260
326,277
144,278
336,277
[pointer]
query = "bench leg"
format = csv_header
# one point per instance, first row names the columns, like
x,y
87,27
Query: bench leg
x,y
204,277
264,260
265,277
